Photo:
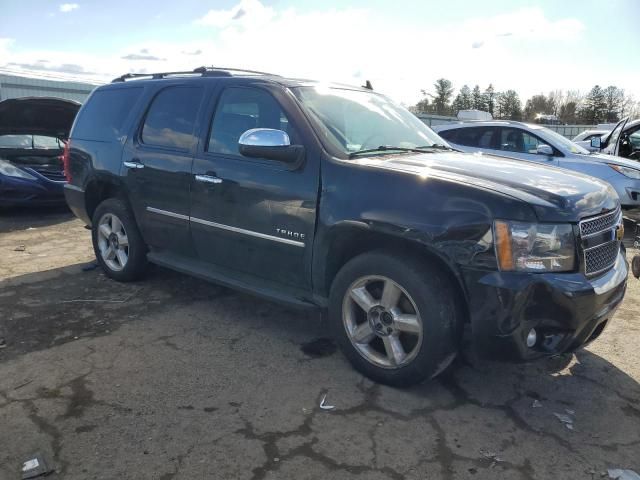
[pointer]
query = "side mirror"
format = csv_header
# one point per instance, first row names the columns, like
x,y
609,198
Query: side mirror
x,y
544,150
596,142
270,144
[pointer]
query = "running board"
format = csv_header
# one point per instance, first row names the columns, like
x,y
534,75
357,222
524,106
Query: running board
x,y
235,280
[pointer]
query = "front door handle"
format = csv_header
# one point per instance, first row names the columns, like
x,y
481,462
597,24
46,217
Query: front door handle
x,y
208,179
134,164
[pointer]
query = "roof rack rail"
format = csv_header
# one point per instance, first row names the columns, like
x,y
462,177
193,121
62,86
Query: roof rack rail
x,y
232,70
203,71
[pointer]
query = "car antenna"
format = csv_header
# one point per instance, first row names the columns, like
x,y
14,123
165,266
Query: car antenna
x,y
367,85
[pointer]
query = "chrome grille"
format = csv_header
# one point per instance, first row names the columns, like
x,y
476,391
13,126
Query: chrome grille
x,y
600,257
599,224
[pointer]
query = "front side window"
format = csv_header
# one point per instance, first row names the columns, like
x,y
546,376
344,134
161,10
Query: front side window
x,y
516,140
239,110
171,118
351,120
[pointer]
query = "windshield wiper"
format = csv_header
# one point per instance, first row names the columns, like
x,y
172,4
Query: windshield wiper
x,y
439,146
386,148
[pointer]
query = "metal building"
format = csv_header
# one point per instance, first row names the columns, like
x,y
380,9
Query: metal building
x,y
14,86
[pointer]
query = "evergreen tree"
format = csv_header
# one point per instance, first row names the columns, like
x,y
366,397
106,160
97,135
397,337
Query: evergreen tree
x,y
490,99
477,99
594,107
444,92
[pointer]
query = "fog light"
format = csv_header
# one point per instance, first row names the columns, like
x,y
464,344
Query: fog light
x,y
532,337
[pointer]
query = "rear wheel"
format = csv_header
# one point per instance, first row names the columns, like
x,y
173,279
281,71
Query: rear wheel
x,y
117,242
394,317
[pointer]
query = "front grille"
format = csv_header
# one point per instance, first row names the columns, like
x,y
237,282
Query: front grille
x,y
599,224
600,257
55,175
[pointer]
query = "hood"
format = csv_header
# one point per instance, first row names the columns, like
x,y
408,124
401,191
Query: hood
x,y
37,116
555,194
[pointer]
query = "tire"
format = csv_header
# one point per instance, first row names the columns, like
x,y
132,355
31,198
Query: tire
x,y
120,261
425,320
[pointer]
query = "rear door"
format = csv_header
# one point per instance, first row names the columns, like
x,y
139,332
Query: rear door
x,y
255,216
157,166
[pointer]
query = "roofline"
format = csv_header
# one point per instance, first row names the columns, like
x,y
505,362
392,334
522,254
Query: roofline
x,y
202,71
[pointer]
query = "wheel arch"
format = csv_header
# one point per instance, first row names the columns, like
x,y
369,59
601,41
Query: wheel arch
x,y
348,240
99,188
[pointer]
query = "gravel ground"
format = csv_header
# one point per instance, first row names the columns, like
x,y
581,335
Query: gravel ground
x,y
174,378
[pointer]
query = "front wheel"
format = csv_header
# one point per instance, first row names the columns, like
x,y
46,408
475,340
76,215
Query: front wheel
x,y
394,317
117,243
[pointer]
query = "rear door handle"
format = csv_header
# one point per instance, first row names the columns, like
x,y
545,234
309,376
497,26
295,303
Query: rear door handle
x,y
208,179
134,164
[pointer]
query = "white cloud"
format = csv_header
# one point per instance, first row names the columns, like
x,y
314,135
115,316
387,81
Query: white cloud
x,y
520,50
68,7
246,13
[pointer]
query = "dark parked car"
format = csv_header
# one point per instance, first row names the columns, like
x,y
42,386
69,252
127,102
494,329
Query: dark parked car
x,y
333,197
32,135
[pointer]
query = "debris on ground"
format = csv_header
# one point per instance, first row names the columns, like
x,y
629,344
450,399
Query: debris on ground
x,y
325,406
3,342
489,455
566,419
35,466
536,404
20,248
90,266
620,474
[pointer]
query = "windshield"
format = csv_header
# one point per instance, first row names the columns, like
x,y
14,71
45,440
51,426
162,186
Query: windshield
x,y
29,142
565,143
353,120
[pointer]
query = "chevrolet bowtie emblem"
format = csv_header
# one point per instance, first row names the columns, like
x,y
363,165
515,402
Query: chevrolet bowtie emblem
x,y
620,232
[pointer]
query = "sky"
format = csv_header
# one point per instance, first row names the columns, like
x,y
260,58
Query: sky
x,y
401,46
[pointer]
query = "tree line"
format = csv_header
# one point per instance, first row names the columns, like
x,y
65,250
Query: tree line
x,y
599,105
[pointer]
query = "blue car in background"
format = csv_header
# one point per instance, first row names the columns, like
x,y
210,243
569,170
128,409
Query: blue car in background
x,y
33,132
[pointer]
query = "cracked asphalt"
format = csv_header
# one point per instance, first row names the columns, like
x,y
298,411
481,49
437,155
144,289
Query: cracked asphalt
x,y
174,378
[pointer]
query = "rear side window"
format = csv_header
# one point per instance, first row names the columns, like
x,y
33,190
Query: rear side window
x,y
449,135
103,117
480,137
241,109
171,118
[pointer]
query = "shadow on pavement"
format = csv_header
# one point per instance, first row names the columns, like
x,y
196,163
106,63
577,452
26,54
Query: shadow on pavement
x,y
21,218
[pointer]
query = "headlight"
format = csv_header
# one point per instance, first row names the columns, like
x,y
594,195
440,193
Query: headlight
x,y
10,171
626,171
534,247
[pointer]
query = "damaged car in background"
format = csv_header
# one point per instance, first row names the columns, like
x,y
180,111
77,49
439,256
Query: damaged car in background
x,y
33,132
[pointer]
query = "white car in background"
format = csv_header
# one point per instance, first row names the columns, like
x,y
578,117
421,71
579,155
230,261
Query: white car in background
x,y
535,143
584,139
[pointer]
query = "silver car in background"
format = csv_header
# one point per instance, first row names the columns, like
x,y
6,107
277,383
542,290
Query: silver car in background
x,y
536,143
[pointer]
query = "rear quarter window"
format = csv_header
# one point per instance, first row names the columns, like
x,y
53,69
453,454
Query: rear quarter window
x,y
103,117
449,135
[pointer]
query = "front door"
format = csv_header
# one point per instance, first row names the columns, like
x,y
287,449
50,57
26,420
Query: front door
x,y
157,167
518,143
254,216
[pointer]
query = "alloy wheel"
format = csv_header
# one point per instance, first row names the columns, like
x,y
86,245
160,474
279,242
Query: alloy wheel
x,y
113,242
382,321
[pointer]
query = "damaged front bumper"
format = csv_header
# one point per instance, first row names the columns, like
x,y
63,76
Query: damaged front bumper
x,y
565,310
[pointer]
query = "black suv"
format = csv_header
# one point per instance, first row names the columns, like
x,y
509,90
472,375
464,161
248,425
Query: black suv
x,y
334,197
